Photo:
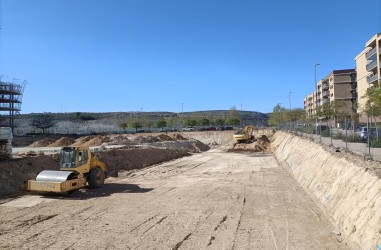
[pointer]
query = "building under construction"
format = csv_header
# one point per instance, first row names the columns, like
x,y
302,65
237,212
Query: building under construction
x,y
10,102
10,105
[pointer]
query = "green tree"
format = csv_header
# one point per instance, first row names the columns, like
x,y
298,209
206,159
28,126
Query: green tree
x,y
43,122
190,122
147,122
294,115
171,121
373,104
277,116
161,123
234,114
135,124
203,121
329,110
219,122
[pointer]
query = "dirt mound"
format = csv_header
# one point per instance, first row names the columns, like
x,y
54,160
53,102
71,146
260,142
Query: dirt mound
x,y
191,146
119,140
82,140
261,144
97,141
62,142
146,139
264,138
42,143
178,137
164,137
14,173
129,159
200,146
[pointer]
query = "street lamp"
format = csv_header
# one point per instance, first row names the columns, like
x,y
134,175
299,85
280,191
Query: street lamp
x,y
317,64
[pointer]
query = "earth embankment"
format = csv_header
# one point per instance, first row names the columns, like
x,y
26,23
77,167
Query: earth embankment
x,y
346,186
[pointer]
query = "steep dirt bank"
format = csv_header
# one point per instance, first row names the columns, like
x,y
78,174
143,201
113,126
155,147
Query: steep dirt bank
x,y
346,186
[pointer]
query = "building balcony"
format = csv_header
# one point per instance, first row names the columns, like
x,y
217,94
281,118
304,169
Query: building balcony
x,y
371,52
325,86
372,79
371,65
325,94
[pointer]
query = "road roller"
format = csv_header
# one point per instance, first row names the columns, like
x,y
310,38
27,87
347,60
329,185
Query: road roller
x,y
78,169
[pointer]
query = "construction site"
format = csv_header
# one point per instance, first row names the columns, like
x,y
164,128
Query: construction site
x,y
193,190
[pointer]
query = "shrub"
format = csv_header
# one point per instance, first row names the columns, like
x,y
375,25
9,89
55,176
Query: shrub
x,y
375,143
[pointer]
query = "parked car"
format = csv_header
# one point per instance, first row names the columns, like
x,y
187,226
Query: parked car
x,y
362,132
226,128
189,129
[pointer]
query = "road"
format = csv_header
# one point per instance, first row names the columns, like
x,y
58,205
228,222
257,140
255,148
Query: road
x,y
213,200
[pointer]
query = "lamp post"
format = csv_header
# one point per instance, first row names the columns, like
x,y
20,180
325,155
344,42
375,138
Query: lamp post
x,y
317,64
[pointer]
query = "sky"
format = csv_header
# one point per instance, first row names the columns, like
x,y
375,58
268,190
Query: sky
x,y
177,55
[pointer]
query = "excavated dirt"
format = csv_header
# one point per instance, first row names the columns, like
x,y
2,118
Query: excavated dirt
x,y
164,137
14,173
214,200
178,137
164,148
345,185
82,140
43,143
62,142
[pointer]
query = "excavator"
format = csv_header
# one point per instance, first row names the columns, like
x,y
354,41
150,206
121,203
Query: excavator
x,y
78,169
245,135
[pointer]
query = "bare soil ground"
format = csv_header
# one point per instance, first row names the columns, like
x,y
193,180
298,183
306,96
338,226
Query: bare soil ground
x,y
215,199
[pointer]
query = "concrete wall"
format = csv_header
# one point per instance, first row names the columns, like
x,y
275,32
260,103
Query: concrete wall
x,y
343,185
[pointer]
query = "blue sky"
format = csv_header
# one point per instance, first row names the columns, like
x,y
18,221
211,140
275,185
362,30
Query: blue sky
x,y
154,55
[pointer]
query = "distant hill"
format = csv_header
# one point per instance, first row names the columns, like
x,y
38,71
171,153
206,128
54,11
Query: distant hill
x,y
109,122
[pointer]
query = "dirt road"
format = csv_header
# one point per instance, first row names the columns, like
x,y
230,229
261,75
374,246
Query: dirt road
x,y
213,200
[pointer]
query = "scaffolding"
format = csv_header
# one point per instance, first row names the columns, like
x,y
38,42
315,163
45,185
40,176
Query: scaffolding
x,y
10,102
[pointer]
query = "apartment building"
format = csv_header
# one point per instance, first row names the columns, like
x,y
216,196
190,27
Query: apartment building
x,y
338,85
309,106
368,64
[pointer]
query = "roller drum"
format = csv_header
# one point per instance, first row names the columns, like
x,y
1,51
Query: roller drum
x,y
55,176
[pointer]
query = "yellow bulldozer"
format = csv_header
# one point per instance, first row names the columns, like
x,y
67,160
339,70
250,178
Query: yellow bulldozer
x,y
245,135
78,169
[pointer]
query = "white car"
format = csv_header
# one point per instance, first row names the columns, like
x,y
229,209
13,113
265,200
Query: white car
x,y
362,132
189,129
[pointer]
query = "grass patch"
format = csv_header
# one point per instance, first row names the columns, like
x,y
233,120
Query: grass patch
x,y
375,144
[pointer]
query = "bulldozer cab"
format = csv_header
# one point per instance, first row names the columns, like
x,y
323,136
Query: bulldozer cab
x,y
74,158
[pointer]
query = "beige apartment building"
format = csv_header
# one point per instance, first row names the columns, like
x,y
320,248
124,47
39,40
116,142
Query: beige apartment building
x,y
368,64
309,106
340,86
